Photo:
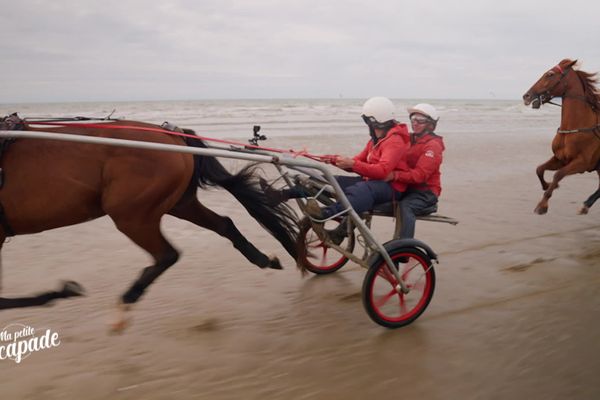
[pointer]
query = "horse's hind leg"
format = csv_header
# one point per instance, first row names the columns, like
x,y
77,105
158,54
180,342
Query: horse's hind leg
x,y
147,235
591,200
190,209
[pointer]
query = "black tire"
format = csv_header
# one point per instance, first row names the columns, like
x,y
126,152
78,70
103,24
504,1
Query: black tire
x,y
317,258
382,301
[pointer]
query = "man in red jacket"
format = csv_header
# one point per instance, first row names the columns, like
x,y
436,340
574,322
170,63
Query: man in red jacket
x,y
384,153
422,176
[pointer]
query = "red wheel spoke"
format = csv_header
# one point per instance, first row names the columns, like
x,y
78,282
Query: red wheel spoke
x,y
324,256
320,258
419,285
403,309
385,274
408,269
379,302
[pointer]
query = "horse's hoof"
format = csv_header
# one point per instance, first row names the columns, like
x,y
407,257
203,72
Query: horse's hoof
x,y
584,210
540,210
121,322
72,289
118,327
274,263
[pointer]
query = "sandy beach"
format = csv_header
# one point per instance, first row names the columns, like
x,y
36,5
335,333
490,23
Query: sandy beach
x,y
514,315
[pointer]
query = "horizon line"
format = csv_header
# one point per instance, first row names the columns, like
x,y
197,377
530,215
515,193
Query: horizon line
x,y
251,99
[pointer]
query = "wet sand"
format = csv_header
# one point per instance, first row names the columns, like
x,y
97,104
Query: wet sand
x,y
515,312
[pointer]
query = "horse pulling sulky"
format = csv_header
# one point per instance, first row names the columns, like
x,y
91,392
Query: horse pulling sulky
x,y
77,170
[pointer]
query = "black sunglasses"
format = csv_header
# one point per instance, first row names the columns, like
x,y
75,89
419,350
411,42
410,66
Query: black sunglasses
x,y
373,123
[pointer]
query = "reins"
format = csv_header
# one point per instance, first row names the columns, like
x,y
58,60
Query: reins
x,y
293,153
593,129
565,96
563,74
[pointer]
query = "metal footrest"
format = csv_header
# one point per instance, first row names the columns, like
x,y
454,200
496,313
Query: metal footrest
x,y
438,218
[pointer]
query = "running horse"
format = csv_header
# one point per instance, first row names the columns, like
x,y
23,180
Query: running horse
x,y
49,184
576,146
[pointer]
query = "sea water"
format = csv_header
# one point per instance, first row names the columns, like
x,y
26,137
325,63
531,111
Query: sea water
x,y
305,117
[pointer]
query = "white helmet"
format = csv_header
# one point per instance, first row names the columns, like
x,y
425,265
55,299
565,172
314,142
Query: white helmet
x,y
379,108
426,109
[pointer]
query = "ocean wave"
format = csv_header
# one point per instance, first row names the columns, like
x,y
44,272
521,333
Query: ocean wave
x,y
299,117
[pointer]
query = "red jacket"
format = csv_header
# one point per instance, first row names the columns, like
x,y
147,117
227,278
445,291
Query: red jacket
x,y
376,161
424,159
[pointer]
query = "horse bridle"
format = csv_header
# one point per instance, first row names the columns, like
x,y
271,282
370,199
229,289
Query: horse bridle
x,y
546,96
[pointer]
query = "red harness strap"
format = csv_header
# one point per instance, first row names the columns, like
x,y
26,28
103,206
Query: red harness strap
x,y
559,68
325,158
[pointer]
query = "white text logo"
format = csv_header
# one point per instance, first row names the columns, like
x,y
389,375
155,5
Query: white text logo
x,y
18,341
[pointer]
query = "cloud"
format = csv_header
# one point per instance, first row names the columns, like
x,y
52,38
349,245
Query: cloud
x,y
131,49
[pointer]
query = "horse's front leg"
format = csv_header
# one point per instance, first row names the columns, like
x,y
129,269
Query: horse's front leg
x,y
591,200
551,165
573,167
68,289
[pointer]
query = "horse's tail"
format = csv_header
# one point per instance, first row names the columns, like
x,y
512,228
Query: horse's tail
x,y
280,221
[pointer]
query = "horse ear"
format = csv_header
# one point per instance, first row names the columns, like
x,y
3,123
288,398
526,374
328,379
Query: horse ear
x,y
567,63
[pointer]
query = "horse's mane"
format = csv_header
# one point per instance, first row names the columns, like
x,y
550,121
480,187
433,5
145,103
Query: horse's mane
x,y
590,89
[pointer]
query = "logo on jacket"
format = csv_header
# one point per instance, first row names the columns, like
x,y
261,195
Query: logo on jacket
x,y
429,153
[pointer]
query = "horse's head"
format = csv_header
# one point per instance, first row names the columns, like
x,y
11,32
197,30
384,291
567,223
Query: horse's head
x,y
548,86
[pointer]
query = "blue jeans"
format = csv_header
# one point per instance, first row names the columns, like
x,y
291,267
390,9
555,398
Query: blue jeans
x,y
362,195
415,203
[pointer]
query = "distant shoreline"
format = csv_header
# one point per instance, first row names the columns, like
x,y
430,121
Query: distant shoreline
x,y
228,100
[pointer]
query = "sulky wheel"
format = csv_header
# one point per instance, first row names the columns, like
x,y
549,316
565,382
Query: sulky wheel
x,y
319,258
384,304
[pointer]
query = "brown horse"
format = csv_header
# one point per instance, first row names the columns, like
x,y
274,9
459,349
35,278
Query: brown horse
x,y
50,184
576,146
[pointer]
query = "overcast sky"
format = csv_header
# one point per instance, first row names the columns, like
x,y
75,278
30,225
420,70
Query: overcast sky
x,y
79,50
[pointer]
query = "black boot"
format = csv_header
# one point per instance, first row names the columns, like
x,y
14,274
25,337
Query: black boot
x,y
336,235
339,233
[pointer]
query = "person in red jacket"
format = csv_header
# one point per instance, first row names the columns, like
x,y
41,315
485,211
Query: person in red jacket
x,y
422,176
382,154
